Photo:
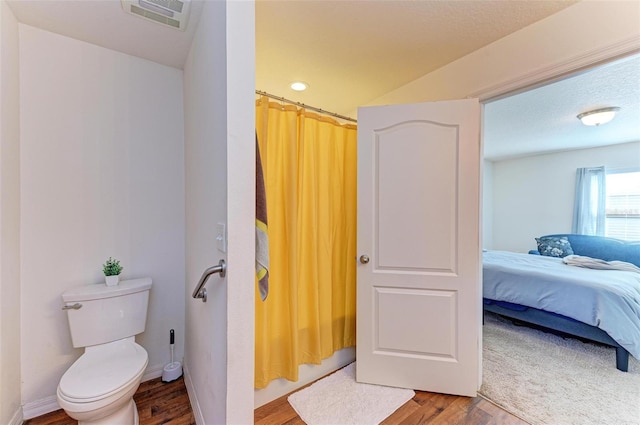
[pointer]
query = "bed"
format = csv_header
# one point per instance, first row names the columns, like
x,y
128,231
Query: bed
x,y
598,305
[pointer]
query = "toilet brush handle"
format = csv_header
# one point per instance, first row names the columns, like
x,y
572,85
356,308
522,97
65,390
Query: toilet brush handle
x,y
171,342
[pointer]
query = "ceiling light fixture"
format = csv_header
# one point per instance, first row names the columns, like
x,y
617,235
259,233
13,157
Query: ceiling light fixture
x,y
299,85
598,116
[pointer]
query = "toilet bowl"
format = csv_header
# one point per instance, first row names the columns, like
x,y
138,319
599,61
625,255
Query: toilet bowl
x,y
99,387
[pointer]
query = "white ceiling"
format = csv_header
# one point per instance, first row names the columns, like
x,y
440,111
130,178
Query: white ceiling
x,y
104,23
353,51
545,119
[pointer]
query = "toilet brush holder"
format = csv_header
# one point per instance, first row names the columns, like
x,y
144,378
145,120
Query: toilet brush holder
x,y
173,370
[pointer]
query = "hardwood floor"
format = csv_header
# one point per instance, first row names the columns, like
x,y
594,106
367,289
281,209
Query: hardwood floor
x,y
168,403
158,403
424,408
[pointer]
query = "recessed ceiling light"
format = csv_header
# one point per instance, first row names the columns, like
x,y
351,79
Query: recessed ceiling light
x,y
598,116
299,85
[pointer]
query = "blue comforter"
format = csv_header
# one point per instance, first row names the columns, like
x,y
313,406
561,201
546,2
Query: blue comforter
x,y
607,299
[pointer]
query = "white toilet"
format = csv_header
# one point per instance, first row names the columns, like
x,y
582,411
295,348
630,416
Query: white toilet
x,y
98,388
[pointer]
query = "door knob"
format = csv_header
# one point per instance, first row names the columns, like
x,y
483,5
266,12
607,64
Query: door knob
x,y
364,259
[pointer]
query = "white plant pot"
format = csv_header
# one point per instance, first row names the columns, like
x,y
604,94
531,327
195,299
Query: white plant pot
x,y
112,280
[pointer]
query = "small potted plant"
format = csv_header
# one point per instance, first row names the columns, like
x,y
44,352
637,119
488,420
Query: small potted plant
x,y
112,269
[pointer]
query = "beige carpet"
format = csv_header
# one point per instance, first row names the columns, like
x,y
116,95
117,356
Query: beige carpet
x,y
339,400
545,379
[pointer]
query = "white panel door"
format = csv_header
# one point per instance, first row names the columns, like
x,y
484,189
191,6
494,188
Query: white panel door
x,y
418,280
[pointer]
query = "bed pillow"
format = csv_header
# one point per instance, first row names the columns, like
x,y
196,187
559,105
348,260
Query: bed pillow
x,y
554,246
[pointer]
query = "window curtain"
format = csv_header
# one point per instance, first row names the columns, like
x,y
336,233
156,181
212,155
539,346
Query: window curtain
x,y
309,166
590,201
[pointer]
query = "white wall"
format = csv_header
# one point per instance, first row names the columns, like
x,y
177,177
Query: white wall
x,y
534,196
241,160
206,191
220,176
10,401
102,174
487,205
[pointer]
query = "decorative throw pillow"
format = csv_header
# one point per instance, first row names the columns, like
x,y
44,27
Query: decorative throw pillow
x,y
553,246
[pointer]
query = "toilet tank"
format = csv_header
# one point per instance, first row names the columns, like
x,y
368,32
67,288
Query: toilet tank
x,y
107,313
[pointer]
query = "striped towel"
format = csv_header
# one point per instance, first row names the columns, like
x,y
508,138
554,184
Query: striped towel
x,y
262,239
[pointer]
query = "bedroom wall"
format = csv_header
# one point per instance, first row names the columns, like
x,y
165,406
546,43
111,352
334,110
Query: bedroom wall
x,y
10,401
534,196
486,209
102,174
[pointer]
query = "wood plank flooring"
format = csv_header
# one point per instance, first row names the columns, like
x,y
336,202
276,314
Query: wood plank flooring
x,y
168,403
158,403
424,408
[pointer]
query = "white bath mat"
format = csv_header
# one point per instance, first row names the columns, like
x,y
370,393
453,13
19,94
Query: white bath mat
x,y
339,399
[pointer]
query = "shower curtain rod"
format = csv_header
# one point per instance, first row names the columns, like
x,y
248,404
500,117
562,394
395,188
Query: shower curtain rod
x,y
302,105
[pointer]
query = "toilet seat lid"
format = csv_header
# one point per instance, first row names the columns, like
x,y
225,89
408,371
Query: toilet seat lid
x,y
103,370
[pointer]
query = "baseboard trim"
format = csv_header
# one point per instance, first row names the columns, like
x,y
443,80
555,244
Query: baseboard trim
x,y
307,374
40,407
193,399
17,417
152,372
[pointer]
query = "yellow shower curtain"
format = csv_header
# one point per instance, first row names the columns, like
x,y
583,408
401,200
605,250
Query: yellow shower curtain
x,y
309,166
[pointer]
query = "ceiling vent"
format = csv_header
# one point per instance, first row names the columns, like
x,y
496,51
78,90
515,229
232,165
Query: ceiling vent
x,y
171,13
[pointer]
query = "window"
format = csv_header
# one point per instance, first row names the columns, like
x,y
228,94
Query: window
x,y
623,205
